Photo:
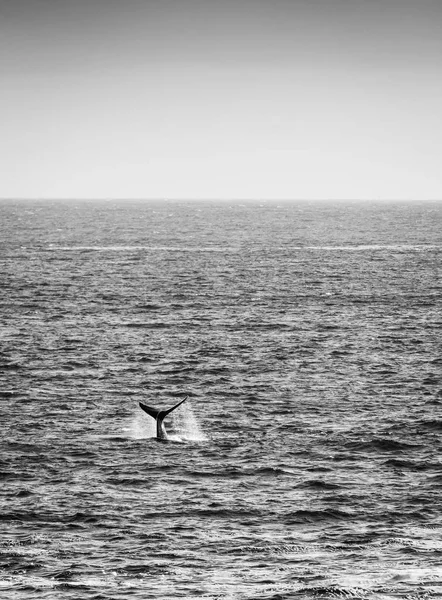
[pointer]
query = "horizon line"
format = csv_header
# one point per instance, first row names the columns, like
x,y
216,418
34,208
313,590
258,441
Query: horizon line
x,y
204,199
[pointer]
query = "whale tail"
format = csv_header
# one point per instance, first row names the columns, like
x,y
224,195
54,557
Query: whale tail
x,y
160,415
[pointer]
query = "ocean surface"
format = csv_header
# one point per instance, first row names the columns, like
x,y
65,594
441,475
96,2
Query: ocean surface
x,y
306,462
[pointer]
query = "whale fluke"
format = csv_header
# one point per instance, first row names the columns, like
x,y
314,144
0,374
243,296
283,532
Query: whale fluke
x,y
159,416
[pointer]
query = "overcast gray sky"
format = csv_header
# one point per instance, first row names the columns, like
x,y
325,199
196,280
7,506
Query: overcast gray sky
x,y
221,98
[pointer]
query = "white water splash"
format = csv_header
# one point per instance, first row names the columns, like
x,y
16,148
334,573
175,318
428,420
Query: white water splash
x,y
188,426
141,427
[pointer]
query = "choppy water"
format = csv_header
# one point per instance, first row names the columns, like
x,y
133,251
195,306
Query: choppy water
x,y
307,461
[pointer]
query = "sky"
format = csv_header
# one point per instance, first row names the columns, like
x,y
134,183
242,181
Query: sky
x,y
265,99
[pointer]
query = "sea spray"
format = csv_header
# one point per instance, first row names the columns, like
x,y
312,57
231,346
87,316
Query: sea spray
x,y
142,427
188,426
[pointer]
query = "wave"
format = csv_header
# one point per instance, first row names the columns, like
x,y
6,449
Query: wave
x,y
319,484
317,516
240,472
413,465
383,444
331,591
209,513
31,516
140,325
5,394
433,424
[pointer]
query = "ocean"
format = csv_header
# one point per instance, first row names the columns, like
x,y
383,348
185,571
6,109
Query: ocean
x,y
306,462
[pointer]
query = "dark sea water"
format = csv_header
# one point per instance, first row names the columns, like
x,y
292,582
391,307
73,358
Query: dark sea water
x,y
306,462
